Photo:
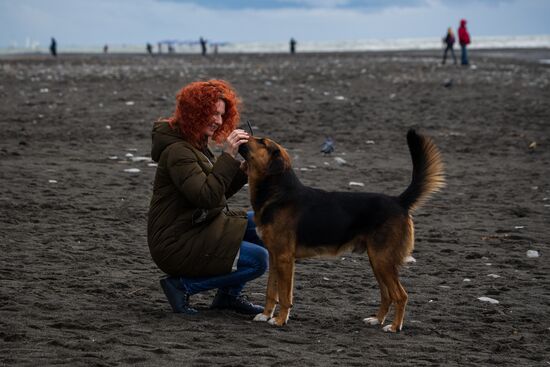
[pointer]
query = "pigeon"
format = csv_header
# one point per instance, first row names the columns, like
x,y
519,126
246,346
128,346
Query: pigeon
x,y
328,146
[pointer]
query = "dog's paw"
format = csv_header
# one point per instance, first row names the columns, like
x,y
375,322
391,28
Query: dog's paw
x,y
371,321
276,322
390,329
261,317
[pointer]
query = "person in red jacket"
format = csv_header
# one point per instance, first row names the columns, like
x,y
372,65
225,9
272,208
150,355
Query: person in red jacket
x,y
464,40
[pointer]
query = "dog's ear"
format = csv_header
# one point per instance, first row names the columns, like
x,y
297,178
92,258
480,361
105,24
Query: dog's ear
x,y
277,164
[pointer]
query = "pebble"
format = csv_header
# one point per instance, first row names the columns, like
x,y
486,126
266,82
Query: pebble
x,y
488,299
340,160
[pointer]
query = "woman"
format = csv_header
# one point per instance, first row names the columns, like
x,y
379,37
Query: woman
x,y
449,40
192,238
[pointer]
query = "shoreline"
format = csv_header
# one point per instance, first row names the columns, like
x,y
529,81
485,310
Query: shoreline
x,y
525,54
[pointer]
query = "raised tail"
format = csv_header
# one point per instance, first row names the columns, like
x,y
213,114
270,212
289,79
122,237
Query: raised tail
x,y
427,176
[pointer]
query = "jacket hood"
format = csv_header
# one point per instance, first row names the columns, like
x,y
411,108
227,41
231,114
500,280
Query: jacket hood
x,y
163,135
463,22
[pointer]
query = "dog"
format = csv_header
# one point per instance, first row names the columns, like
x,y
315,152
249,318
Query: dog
x,y
295,221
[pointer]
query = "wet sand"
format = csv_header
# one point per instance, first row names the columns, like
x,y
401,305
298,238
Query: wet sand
x,y
78,286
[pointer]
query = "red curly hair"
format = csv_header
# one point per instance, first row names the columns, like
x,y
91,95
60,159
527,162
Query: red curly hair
x,y
195,106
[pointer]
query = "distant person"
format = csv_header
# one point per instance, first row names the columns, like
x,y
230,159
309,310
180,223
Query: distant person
x,y
105,49
53,47
203,46
159,46
449,40
193,237
292,46
150,49
464,40
171,49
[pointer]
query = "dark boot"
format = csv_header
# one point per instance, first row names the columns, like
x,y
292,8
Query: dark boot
x,y
177,295
224,301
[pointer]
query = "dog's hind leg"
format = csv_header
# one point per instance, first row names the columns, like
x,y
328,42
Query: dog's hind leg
x,y
284,264
385,300
272,292
398,297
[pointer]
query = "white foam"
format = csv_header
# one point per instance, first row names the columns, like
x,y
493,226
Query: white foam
x,y
354,183
132,170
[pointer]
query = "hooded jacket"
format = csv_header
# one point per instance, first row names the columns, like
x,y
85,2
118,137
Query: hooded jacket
x,y
188,232
463,35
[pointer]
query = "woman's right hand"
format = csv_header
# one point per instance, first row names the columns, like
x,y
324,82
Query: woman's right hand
x,y
234,140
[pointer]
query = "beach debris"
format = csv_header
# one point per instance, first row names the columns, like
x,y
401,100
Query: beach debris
x,y
108,127
488,299
113,157
493,276
410,259
328,146
532,145
140,159
519,227
304,169
341,161
155,165
52,181
354,183
370,142
132,170
339,98
128,155
448,83
473,67
392,96
532,253
325,278
130,103
466,280
44,90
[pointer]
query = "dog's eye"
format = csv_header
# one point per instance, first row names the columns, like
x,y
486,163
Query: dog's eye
x,y
261,142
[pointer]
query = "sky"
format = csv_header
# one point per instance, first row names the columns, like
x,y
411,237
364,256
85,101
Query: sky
x,y
98,22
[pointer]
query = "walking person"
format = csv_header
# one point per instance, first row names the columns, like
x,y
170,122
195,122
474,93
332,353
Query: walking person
x,y
449,40
193,237
464,40
53,47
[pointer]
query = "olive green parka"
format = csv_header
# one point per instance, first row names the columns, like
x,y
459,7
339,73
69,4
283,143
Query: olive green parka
x,y
189,232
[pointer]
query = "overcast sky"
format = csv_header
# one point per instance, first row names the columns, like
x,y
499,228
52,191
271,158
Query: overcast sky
x,y
95,22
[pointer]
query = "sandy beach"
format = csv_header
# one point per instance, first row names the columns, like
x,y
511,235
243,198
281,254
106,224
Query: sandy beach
x,y
78,286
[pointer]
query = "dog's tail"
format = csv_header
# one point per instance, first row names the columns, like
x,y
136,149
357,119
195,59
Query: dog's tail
x,y
427,176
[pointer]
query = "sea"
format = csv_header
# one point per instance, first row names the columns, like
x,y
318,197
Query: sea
x,y
372,44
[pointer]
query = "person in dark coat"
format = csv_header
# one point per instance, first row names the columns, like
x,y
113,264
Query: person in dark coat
x,y
449,40
53,47
464,40
193,237
292,46
202,41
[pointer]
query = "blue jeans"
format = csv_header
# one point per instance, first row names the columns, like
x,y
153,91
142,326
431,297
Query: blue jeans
x,y
252,263
464,55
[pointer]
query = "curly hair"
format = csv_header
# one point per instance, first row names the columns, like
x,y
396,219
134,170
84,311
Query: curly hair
x,y
195,106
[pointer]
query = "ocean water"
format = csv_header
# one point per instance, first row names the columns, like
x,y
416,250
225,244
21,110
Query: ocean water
x,y
433,43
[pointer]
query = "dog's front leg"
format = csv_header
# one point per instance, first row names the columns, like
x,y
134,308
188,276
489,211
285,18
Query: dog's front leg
x,y
284,264
271,294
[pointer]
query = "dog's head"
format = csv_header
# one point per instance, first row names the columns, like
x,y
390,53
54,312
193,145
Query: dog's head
x,y
264,157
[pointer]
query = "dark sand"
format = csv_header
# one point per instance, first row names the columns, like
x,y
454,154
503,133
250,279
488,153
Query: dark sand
x,y
78,286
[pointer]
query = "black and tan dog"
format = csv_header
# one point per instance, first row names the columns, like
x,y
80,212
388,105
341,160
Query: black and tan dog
x,y
296,221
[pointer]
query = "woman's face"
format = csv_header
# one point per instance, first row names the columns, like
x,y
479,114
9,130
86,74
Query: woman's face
x,y
216,120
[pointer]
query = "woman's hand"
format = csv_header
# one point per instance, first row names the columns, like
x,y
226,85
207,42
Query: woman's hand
x,y
234,140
